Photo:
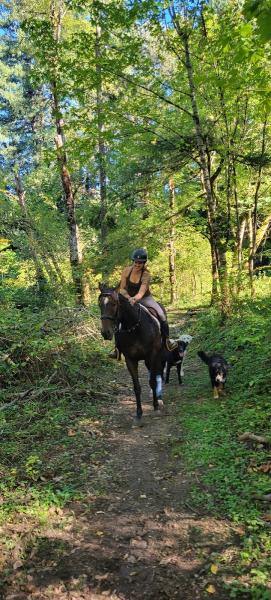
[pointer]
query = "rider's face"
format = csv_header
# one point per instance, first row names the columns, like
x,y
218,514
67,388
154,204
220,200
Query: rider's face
x,y
138,265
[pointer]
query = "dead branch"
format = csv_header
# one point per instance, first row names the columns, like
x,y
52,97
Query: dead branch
x,y
259,439
35,393
19,396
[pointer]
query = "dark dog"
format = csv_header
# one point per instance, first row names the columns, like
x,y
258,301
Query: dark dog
x,y
175,357
218,368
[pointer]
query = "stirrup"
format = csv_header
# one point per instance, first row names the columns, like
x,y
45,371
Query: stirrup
x,y
115,354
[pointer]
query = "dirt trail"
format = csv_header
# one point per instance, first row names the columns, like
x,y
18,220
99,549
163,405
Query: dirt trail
x,y
140,539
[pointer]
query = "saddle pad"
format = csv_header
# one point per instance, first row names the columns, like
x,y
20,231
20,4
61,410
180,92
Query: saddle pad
x,y
152,315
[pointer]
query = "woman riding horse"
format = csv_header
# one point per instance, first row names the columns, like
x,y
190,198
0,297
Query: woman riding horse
x,y
135,286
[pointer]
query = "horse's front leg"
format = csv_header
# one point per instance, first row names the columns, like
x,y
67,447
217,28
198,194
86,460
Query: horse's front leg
x,y
153,383
156,382
132,367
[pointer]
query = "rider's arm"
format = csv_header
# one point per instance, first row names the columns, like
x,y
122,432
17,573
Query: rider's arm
x,y
145,284
123,282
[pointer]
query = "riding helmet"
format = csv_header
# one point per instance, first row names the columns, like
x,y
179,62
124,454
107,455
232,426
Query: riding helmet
x,y
140,255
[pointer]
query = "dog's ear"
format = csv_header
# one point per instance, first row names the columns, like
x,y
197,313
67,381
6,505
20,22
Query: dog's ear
x,y
103,287
186,338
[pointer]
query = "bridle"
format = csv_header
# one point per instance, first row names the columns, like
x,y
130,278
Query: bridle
x,y
116,318
105,317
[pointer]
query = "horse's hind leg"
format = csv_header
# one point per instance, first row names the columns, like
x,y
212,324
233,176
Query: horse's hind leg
x,y
132,367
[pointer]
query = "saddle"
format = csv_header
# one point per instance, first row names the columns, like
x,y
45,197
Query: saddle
x,y
153,314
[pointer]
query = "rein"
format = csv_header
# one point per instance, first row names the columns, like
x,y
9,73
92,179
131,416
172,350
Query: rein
x,y
117,319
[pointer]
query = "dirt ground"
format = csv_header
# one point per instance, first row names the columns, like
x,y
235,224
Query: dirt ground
x,y
140,539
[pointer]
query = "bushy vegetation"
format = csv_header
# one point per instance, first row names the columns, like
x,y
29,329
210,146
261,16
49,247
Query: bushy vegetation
x,y
234,475
129,124
53,401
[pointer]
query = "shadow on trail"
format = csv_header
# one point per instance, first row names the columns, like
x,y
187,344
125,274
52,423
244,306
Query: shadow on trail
x,y
138,539
135,556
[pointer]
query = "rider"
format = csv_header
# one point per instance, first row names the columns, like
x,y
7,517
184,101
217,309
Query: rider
x,y
135,286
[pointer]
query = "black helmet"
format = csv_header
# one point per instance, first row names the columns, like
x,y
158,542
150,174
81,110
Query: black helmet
x,y
140,255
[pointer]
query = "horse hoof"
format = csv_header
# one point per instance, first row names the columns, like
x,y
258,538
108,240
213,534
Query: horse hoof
x,y
138,421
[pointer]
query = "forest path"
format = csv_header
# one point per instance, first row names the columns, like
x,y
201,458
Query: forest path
x,y
138,539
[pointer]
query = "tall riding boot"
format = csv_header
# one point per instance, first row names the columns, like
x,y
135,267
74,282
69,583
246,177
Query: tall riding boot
x,y
165,336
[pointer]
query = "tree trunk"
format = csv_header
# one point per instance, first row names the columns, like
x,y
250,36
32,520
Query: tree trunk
x,y
224,281
40,277
215,277
206,180
239,253
263,231
251,253
254,216
171,244
76,258
101,141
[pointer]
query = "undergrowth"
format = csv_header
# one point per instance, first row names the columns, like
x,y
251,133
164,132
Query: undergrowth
x,y
53,405
233,476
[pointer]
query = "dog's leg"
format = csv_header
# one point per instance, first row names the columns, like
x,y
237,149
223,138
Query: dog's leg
x,y
167,373
182,369
215,392
179,372
221,389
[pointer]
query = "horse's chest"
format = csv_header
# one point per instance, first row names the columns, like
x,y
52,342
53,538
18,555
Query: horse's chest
x,y
129,345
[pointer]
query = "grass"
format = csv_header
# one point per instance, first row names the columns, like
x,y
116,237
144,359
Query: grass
x,y
52,446
51,439
231,477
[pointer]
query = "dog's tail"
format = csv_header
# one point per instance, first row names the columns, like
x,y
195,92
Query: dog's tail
x,y
203,356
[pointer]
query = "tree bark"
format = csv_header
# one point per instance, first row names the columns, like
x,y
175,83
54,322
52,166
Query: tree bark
x,y
263,231
40,277
217,251
254,216
101,142
251,252
171,244
76,259
215,276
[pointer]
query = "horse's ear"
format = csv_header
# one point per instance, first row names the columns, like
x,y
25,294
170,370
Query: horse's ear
x,y
101,286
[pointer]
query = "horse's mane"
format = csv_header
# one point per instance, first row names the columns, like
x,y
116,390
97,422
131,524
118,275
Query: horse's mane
x,y
136,308
133,308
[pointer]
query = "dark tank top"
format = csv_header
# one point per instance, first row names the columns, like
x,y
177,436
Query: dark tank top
x,y
133,288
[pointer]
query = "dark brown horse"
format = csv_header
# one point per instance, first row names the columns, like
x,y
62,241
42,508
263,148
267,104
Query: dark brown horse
x,y
138,338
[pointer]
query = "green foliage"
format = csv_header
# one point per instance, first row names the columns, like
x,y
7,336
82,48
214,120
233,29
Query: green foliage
x,y
232,482
53,398
261,11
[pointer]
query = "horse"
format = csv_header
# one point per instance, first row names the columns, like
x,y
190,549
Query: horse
x,y
138,337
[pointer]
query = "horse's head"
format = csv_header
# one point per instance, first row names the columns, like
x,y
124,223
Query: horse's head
x,y
108,302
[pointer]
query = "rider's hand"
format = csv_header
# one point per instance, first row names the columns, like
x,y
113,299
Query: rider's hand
x,y
132,300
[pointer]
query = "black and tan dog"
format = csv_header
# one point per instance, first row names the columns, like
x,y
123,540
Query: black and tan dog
x,y
218,368
175,357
